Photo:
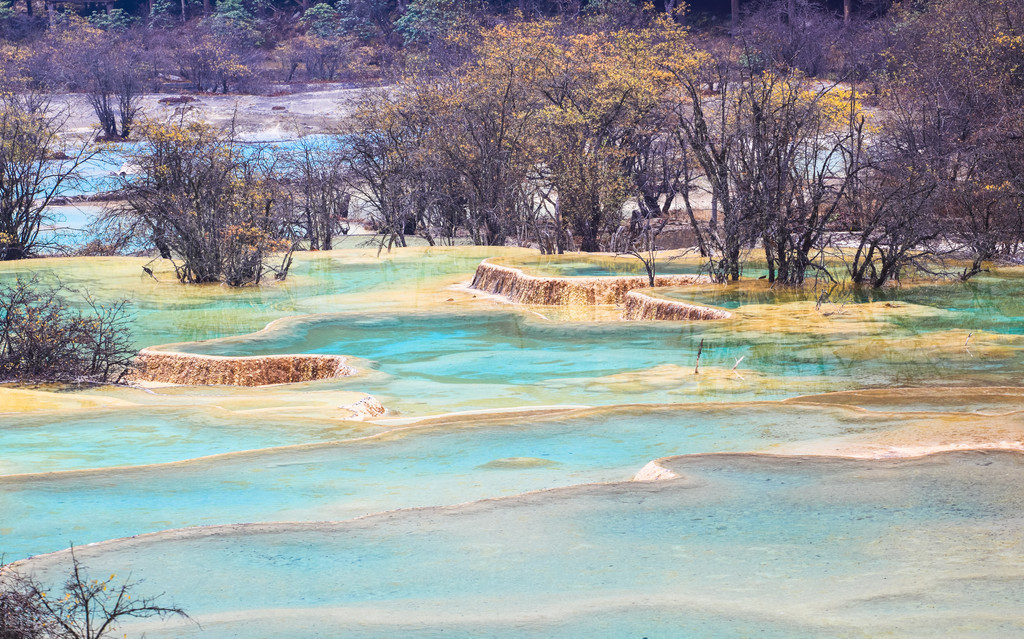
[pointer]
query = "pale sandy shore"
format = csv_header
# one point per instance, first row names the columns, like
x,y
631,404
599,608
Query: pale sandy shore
x,y
255,116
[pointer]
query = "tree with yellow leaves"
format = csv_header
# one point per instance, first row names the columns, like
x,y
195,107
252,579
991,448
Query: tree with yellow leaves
x,y
488,118
599,90
385,153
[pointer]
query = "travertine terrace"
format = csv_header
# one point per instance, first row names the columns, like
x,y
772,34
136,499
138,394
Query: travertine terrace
x,y
640,306
204,370
523,288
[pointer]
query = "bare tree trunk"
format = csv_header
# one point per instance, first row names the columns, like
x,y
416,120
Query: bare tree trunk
x,y
787,13
28,7
559,246
846,11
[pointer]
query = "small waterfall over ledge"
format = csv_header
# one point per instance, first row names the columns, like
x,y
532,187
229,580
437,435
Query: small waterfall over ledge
x,y
205,370
521,288
640,306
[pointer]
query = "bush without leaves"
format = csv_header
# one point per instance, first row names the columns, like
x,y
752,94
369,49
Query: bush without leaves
x,y
43,337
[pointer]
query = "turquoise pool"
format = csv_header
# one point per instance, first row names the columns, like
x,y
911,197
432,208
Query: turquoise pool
x,y
741,545
450,535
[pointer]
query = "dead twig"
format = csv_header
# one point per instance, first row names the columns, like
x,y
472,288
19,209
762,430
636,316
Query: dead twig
x,y
735,372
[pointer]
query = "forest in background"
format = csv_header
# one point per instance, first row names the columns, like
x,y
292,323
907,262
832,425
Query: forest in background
x,y
882,136
248,46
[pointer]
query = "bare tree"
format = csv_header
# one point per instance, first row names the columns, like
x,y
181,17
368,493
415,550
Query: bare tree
x,y
777,153
800,149
208,203
794,34
891,204
110,67
893,226
639,239
319,190
88,608
114,85
487,136
37,165
956,100
211,60
21,615
982,211
323,58
707,118
384,157
661,168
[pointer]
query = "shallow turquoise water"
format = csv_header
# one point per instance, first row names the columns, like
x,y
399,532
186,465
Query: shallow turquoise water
x,y
99,173
68,225
166,311
989,301
51,441
743,544
578,265
420,467
473,360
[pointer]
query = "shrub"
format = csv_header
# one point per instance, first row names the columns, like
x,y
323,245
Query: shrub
x,y
86,609
43,337
213,60
114,20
